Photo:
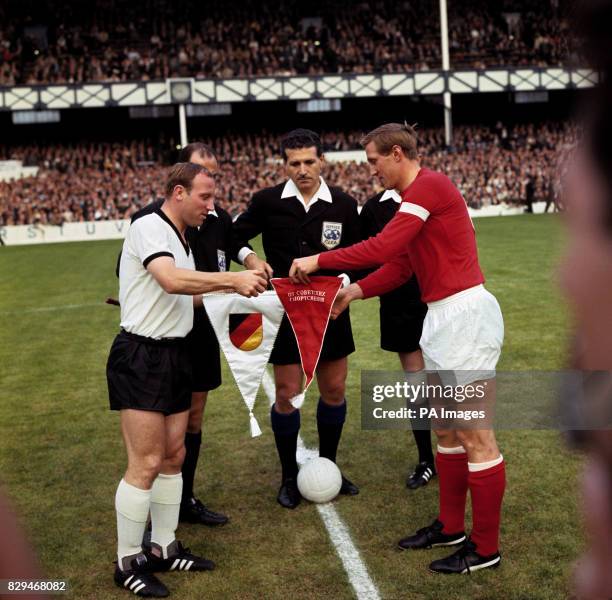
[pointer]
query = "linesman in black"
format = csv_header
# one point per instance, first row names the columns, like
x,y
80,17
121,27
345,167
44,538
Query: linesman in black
x,y
210,244
401,323
297,218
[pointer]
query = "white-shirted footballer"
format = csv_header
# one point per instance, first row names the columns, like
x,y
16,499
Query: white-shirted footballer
x,y
149,375
146,309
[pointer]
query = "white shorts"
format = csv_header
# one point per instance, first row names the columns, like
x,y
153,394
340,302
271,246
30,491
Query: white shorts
x,y
463,334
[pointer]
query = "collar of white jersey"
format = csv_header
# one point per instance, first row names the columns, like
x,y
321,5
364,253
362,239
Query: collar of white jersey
x,y
393,194
291,190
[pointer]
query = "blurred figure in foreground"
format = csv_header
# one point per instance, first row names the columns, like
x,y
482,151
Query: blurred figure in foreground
x,y
587,281
17,559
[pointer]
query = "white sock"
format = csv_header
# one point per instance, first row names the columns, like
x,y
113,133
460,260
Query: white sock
x,y
474,467
455,450
165,505
132,505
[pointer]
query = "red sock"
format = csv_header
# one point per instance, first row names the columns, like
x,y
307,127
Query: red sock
x,y
487,490
453,477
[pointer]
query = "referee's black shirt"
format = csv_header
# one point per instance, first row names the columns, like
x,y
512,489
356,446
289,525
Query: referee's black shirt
x,y
289,232
373,217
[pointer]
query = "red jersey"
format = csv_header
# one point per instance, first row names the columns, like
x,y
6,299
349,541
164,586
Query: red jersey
x,y
431,235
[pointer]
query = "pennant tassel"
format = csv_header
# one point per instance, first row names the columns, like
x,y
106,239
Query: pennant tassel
x,y
298,400
255,429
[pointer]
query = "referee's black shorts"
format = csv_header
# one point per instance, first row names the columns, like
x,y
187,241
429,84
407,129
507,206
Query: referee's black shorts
x,y
338,342
401,318
401,327
205,355
147,374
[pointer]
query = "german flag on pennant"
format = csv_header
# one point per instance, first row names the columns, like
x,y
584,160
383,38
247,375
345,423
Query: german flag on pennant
x,y
246,330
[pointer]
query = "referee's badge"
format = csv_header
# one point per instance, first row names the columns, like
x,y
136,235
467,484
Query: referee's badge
x,y
221,260
246,330
331,234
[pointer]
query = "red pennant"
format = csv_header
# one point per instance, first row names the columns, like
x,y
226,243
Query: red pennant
x,y
308,308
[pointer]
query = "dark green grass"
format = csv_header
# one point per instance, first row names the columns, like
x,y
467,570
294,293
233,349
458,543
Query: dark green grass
x,y
61,455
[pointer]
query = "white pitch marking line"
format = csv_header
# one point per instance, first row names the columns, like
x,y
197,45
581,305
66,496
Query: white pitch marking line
x,y
41,309
356,570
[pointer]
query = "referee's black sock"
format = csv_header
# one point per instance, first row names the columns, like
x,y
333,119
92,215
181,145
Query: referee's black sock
x,y
421,430
286,428
330,420
421,425
193,441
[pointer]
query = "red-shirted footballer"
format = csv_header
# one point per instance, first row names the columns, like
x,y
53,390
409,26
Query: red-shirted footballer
x,y
432,236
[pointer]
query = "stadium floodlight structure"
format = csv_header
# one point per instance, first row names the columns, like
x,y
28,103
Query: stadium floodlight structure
x,y
446,96
180,91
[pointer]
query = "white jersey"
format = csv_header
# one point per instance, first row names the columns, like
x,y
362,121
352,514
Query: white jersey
x,y
146,309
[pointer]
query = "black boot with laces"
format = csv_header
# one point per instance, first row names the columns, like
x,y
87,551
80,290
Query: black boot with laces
x,y
139,579
421,475
431,537
465,561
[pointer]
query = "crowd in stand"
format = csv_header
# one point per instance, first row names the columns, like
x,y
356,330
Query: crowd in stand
x,y
120,40
89,182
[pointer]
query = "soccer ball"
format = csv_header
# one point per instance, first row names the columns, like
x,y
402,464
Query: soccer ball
x,y
319,480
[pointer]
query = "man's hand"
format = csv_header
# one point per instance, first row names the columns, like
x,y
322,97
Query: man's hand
x,y
302,267
250,283
344,298
253,262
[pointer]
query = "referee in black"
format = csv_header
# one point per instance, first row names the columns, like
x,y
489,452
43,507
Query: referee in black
x,y
210,244
299,217
149,374
401,323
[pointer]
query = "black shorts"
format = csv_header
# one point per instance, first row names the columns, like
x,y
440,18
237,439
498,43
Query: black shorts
x,y
205,355
338,342
147,374
401,326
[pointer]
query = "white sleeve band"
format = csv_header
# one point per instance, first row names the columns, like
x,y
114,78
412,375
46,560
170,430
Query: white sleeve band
x,y
414,209
346,280
244,252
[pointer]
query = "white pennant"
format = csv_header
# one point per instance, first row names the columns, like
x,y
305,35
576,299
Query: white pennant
x,y
247,366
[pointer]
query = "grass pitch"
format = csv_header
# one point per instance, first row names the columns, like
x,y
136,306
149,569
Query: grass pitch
x,y
61,454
